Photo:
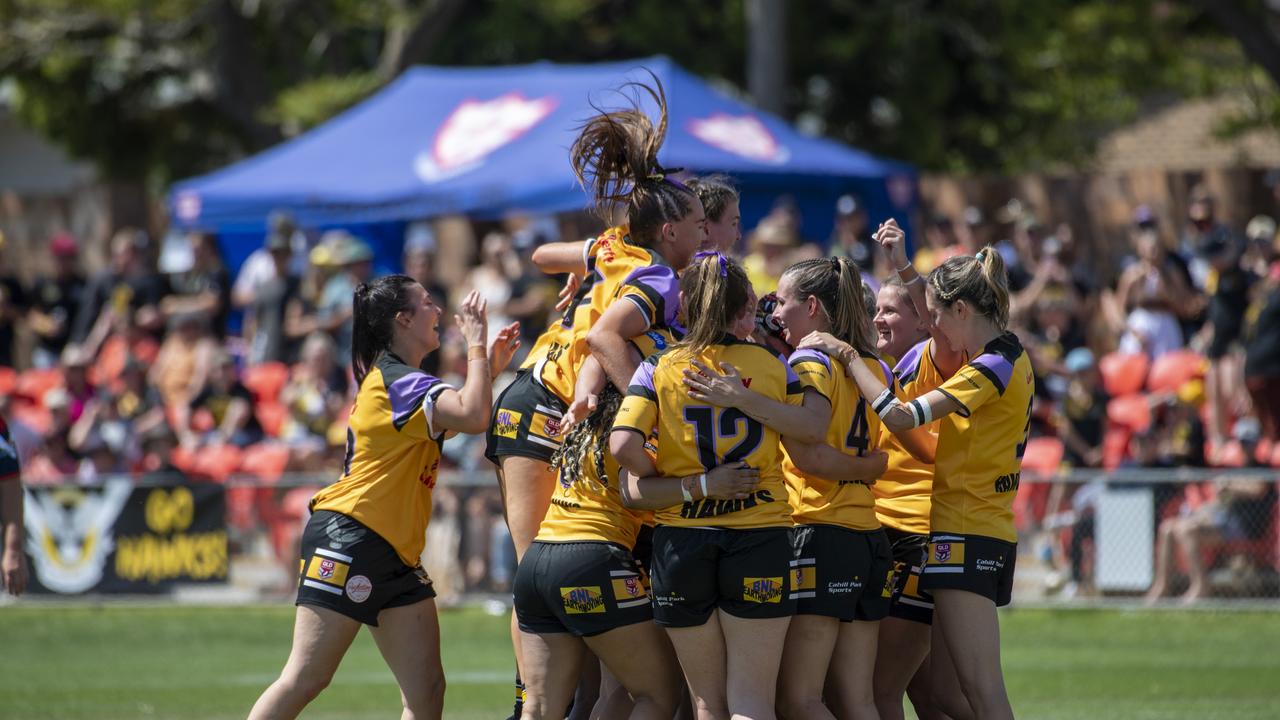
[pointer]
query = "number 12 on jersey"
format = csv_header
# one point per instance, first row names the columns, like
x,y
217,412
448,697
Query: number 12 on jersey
x,y
711,424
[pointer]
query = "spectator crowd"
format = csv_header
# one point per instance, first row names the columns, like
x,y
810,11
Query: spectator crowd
x,y
1170,360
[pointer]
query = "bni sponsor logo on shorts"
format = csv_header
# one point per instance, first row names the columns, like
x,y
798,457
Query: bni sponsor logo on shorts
x,y
762,589
582,600
507,423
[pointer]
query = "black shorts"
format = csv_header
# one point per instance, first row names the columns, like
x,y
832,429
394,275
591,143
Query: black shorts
x,y
643,552
350,569
841,573
583,588
525,421
743,572
909,601
975,563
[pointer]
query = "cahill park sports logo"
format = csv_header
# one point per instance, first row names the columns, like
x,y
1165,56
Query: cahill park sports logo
x,y
762,590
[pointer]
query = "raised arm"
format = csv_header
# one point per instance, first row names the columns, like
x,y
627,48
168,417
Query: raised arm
x,y
467,410
561,257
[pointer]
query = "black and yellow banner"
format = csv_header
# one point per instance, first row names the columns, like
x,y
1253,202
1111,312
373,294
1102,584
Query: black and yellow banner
x,y
120,538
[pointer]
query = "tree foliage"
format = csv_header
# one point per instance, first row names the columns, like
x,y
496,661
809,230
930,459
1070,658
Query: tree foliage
x,y
162,89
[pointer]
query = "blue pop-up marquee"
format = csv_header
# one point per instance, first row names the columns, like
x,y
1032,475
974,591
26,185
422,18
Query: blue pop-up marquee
x,y
494,140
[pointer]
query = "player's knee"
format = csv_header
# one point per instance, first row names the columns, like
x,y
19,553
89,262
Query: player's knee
x,y
307,686
425,695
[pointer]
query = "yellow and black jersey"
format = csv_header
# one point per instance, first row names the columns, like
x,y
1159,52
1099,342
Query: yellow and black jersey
x,y
979,466
693,437
591,509
854,430
903,495
616,269
393,455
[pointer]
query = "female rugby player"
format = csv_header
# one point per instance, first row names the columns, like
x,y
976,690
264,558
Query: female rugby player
x,y
362,543
628,287
971,552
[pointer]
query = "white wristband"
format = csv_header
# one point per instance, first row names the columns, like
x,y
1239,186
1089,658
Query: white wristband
x,y
702,479
685,491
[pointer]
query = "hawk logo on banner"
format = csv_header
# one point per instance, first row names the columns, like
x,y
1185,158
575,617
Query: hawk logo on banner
x,y
69,533
475,129
741,135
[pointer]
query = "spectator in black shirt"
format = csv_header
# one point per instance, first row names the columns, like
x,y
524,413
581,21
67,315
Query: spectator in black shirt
x,y
54,301
205,288
13,301
229,403
129,285
1262,355
1084,410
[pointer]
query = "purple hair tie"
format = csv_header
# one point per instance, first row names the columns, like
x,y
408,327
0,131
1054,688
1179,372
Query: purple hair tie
x,y
724,262
664,175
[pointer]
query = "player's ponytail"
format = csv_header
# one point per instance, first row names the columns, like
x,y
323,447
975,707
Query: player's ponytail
x,y
837,285
979,280
590,435
374,307
615,158
714,289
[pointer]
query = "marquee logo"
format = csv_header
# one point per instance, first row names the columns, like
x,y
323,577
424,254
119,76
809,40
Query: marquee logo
x,y
741,135
477,128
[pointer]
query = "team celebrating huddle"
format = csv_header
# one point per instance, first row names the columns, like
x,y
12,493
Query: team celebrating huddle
x,y
722,506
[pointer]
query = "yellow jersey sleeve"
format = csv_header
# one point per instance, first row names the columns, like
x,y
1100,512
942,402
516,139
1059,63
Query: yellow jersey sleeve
x,y
978,381
413,398
639,410
813,370
655,291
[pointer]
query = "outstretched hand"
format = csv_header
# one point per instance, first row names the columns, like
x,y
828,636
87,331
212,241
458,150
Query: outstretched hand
x,y
707,385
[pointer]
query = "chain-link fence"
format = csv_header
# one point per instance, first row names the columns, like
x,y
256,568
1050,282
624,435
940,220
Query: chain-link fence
x,y
1128,535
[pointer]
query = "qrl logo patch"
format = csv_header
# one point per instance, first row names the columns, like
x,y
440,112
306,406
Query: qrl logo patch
x,y
545,426
506,424
326,569
762,590
942,552
582,600
949,553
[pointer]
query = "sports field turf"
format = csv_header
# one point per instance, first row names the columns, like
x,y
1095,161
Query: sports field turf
x,y
118,661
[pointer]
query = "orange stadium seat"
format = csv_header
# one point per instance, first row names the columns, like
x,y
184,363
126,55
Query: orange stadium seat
x,y
218,462
266,461
1115,444
1123,373
1172,370
8,380
271,416
1043,455
266,381
1131,411
36,382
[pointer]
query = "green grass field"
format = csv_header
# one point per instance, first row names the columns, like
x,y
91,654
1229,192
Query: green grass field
x,y
117,662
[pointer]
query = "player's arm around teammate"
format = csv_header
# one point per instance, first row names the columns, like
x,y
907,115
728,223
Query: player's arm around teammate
x,y
969,570
366,532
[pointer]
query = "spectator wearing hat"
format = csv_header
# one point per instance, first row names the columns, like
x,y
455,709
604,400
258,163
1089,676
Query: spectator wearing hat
x,y
261,266
205,288
1262,354
54,301
269,304
1083,418
1229,298
334,310
13,302
130,286
771,245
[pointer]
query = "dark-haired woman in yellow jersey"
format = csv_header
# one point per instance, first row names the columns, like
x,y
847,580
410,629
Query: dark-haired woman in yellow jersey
x,y
579,585
972,544
362,543
628,287
720,559
842,574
